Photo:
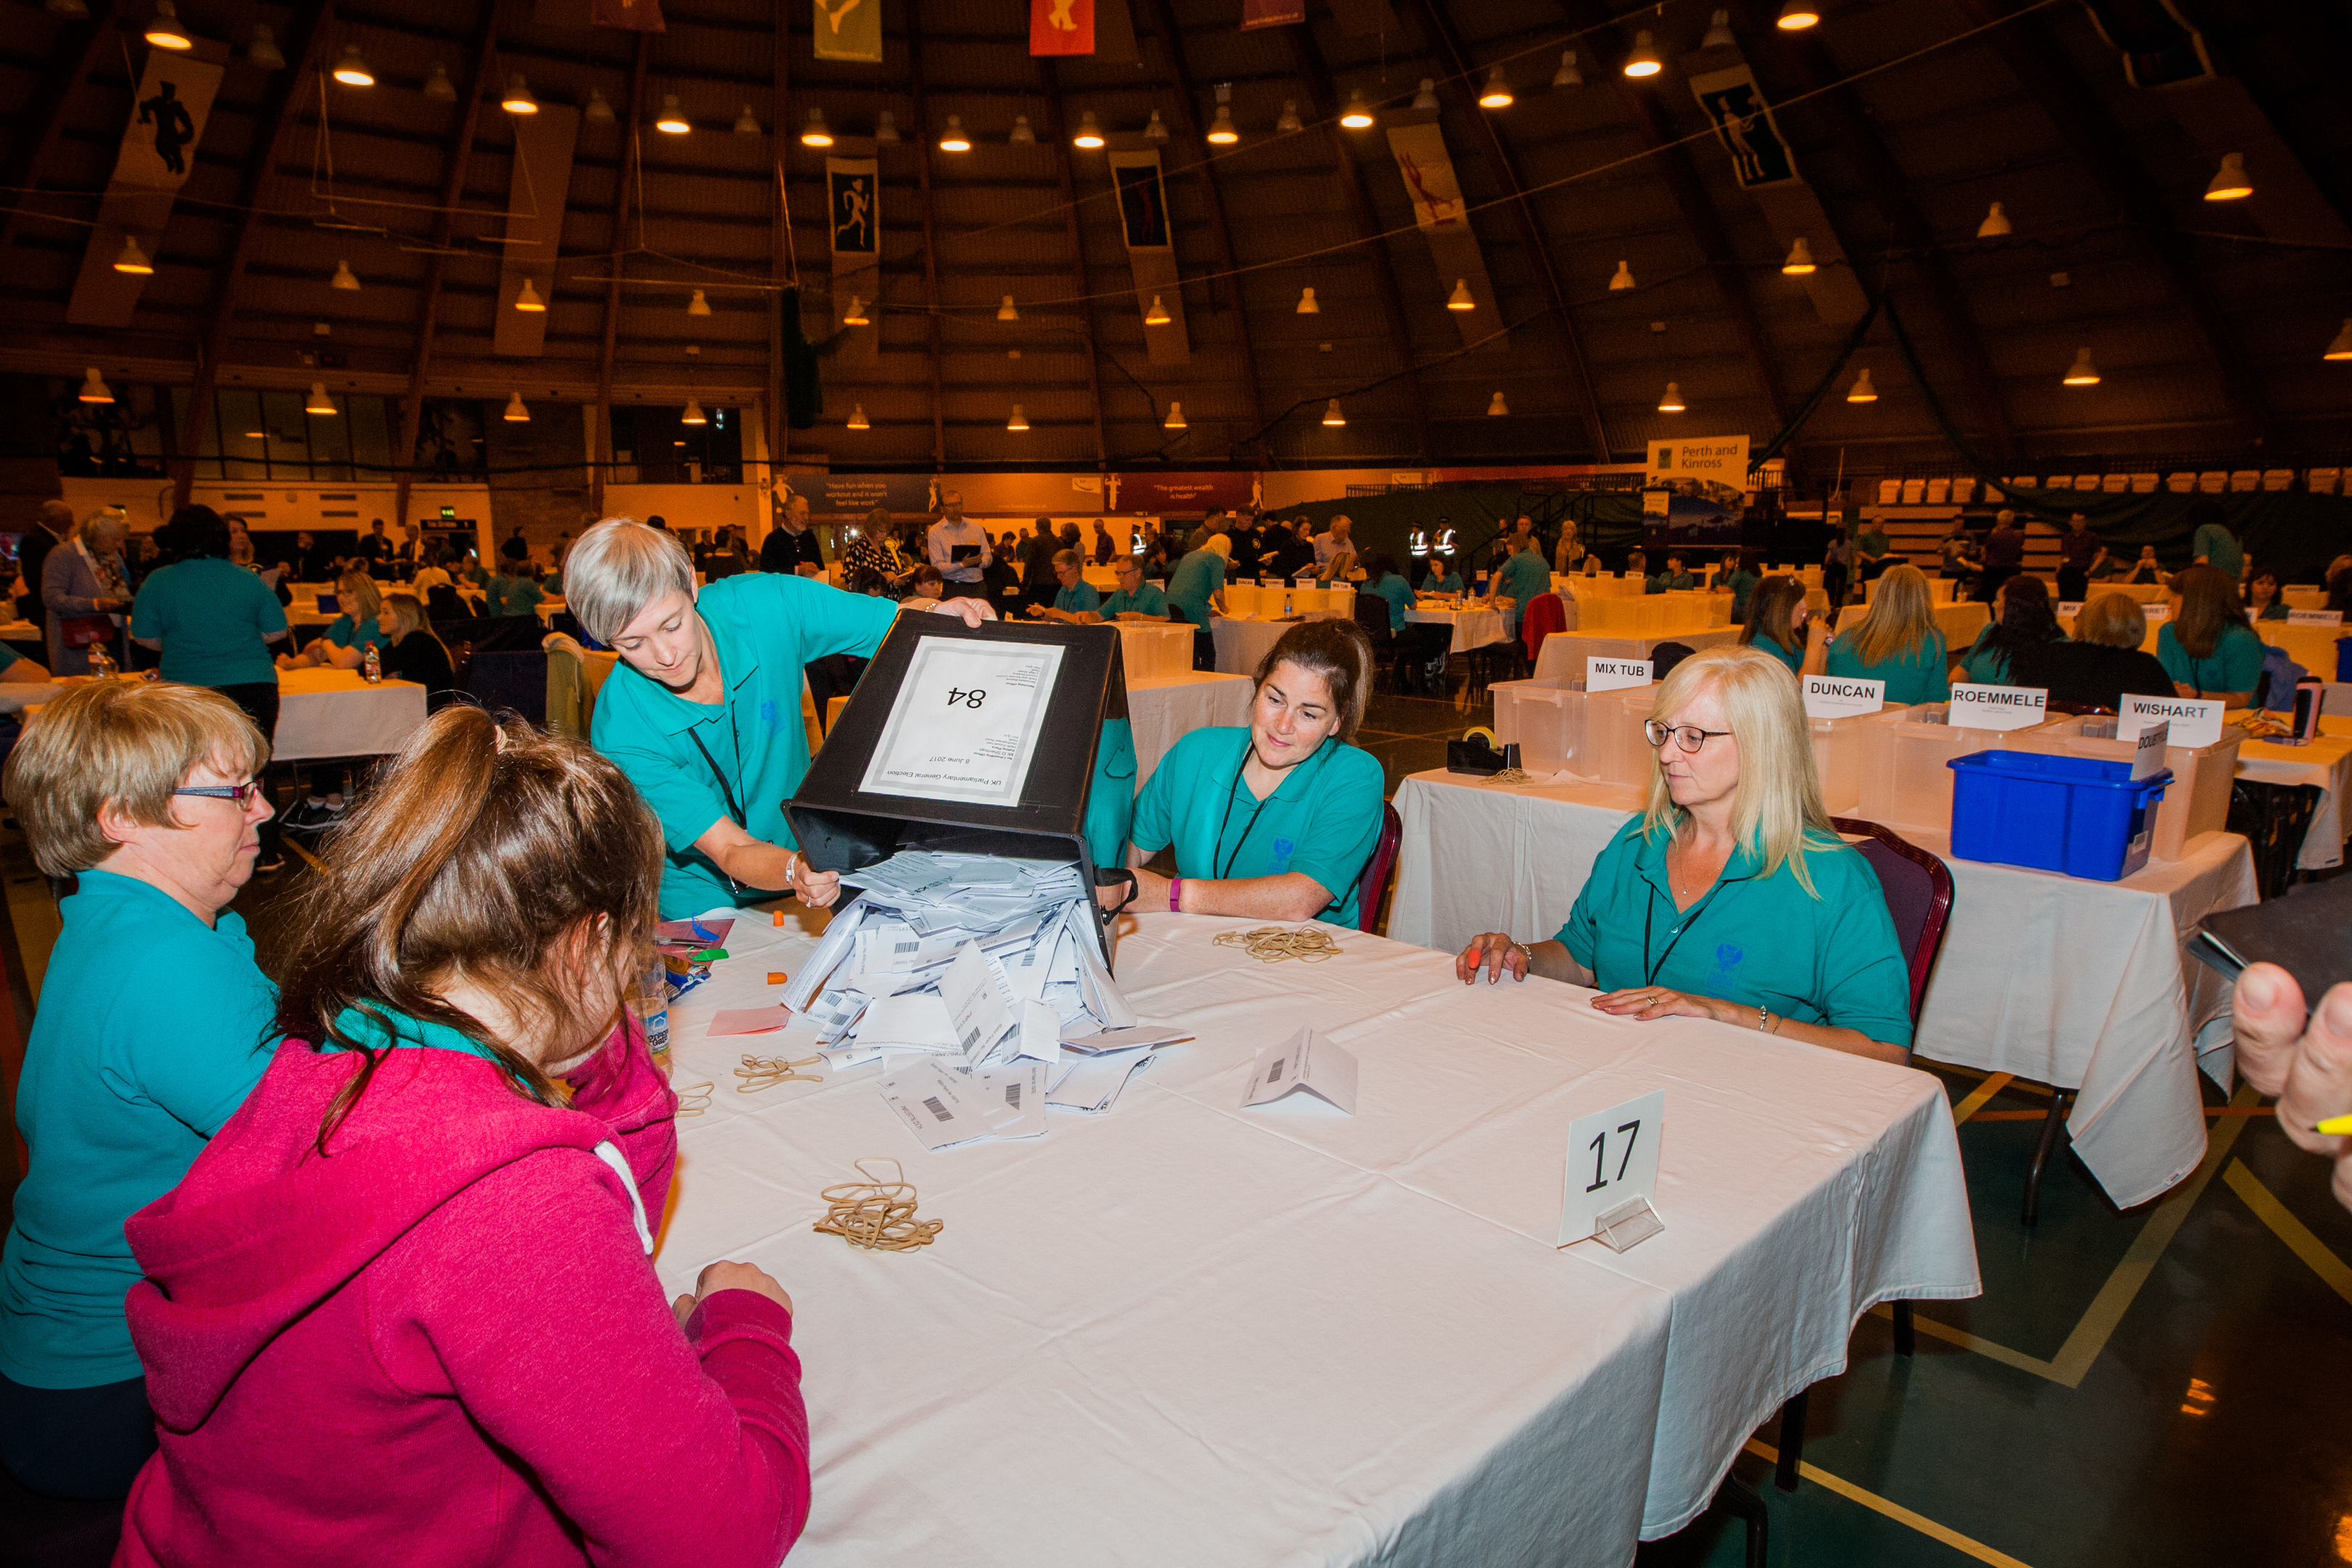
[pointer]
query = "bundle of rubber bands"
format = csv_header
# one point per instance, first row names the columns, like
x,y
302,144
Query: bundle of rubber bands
x,y
765,1072
1273,944
874,1214
694,1099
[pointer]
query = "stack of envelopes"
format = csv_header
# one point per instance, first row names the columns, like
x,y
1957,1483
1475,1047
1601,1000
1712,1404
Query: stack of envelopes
x,y
979,984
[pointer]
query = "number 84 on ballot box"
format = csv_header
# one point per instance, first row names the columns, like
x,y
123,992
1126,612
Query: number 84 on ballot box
x,y
1612,1172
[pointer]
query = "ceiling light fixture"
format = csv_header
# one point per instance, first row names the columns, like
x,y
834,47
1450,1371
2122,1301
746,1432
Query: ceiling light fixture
x,y
855,316
1863,391
1331,416
2081,372
672,120
133,260
1800,259
2231,184
953,140
1622,279
1359,116
94,388
598,113
164,29
1672,403
2342,347
1719,32
1155,128
1019,421
1222,133
352,70
438,87
815,134
1643,61
263,49
1497,94
71,10
698,305
1089,134
746,123
516,413
1497,408
1008,311
1568,75
1996,223
1797,15
1427,97
857,420
693,414
1175,420
528,299
886,128
517,99
344,278
1307,303
1158,315
1290,120
1023,136
1460,299
318,402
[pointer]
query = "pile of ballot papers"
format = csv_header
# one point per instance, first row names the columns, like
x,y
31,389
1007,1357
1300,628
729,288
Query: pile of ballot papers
x,y
979,984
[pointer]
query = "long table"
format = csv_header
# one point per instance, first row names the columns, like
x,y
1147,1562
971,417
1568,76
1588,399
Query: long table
x,y
1162,711
1185,1333
324,712
2076,984
1563,653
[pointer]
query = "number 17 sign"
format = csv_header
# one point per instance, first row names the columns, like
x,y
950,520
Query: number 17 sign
x,y
1612,1171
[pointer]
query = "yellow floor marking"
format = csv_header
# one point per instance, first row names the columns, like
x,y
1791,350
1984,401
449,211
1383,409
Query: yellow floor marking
x,y
1893,1510
2074,1358
2289,1230
1978,1096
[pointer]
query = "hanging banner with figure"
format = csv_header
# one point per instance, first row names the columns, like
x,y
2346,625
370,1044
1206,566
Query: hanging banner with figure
x,y
1271,12
637,16
1427,170
854,188
1152,255
1061,26
2158,46
1743,123
848,30
167,119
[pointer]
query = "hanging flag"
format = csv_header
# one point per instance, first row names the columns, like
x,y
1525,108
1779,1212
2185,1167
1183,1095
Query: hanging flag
x,y
849,30
2158,46
1061,26
1427,169
1271,12
637,15
1743,123
854,188
1152,255
1428,172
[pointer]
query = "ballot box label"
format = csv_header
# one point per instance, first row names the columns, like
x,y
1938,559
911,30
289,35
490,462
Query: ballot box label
x,y
1616,674
1612,1159
1975,707
1842,696
2147,754
2194,722
964,724
2314,618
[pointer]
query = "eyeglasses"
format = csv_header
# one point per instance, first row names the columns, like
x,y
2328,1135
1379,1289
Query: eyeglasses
x,y
1689,737
240,794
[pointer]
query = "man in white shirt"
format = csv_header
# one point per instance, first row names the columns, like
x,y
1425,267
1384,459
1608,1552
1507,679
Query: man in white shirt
x,y
1334,553
954,533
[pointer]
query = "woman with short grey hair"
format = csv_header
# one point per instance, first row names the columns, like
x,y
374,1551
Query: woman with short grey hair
x,y
704,713
86,590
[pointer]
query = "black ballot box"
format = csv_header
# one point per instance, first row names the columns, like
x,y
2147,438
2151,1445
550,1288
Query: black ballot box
x,y
967,739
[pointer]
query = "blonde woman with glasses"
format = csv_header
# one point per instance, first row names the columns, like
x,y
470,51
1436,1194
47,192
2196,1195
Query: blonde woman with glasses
x,y
1897,642
1729,898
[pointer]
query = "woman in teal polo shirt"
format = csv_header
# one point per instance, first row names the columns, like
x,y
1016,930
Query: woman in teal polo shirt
x,y
2205,643
1728,897
703,713
2022,619
153,1025
1522,580
359,628
1444,578
1781,622
1897,642
1276,820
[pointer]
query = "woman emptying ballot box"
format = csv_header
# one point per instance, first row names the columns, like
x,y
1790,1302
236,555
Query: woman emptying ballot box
x,y
1274,820
1729,898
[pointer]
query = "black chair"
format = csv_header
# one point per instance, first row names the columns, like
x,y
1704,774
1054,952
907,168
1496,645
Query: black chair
x,y
444,603
508,680
1372,615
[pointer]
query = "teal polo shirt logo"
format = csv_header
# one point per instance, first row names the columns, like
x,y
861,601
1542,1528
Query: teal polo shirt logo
x,y
768,714
1282,850
1726,959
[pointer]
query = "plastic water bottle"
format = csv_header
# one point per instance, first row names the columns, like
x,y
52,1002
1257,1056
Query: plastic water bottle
x,y
101,665
372,665
651,1005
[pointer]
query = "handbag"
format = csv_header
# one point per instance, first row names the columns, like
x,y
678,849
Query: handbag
x,y
81,631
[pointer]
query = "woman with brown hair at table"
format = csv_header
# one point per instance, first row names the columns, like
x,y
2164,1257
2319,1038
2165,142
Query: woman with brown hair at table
x,y
1728,896
1781,623
460,1148
2205,643
2102,665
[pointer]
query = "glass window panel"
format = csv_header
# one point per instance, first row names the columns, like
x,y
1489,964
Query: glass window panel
x,y
371,424
240,437
330,441
288,437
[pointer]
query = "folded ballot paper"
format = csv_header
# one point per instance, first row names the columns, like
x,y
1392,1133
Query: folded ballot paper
x,y
978,983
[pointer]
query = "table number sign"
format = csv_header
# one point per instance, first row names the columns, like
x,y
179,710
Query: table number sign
x,y
1306,1061
2193,722
1842,697
1613,1169
1616,674
965,721
2314,618
1975,707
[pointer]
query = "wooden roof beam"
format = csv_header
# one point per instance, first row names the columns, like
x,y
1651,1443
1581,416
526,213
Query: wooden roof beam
x,y
619,234
80,43
1055,119
923,150
1506,173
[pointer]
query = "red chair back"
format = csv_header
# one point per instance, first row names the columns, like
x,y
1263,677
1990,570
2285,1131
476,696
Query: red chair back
x,y
1378,869
1545,615
1919,890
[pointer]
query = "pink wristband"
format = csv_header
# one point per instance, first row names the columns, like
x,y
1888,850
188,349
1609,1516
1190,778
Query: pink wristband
x,y
1175,894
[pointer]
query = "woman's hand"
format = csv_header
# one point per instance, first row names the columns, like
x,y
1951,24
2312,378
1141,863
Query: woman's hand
x,y
1644,1003
1493,952
972,611
730,1277
1150,892
817,890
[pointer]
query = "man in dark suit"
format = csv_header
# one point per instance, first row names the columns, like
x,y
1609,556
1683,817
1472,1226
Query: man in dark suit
x,y
52,525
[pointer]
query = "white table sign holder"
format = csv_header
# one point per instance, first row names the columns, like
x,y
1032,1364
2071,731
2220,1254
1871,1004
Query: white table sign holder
x,y
1612,1172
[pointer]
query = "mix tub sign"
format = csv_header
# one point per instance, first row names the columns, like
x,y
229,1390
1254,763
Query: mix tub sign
x,y
1978,707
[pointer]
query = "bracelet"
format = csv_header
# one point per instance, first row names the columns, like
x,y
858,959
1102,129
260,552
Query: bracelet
x,y
1175,894
1764,1019
791,867
1531,954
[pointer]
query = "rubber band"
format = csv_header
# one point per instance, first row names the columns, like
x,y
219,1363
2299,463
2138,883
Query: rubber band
x,y
876,1216
1273,944
766,1072
694,1099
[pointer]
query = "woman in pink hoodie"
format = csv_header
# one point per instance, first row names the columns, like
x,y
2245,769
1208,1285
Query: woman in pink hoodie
x,y
403,1307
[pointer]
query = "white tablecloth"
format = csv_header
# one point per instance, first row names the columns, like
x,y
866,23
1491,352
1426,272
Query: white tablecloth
x,y
2077,983
2326,761
1241,644
1149,651
336,714
1162,712
1185,1333
1471,628
1563,653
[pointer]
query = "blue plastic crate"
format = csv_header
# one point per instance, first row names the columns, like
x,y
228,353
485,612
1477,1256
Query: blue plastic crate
x,y
2081,815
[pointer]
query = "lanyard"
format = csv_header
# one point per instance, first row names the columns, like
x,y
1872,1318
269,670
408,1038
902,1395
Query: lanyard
x,y
1227,821
726,791
1650,970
